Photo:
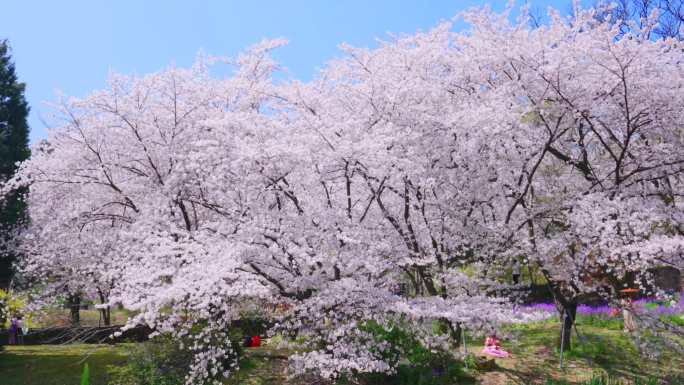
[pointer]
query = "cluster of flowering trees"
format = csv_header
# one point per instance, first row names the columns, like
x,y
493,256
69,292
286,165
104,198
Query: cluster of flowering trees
x,y
430,163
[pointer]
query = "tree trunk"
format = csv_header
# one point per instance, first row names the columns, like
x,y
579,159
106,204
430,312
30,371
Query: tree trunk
x,y
455,334
106,314
570,312
75,309
453,330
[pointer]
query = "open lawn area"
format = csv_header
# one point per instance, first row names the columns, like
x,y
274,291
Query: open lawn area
x,y
534,360
58,364
598,350
63,364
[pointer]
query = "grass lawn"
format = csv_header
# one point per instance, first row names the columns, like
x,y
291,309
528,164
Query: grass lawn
x,y
58,364
90,317
63,365
535,359
597,350
262,366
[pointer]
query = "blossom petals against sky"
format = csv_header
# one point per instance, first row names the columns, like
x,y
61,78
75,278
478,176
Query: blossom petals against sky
x,y
71,46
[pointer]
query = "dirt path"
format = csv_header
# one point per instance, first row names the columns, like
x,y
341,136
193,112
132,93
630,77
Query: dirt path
x,y
264,366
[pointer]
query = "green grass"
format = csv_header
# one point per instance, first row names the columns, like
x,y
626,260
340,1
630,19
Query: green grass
x,y
596,351
260,367
605,380
90,317
600,322
58,364
63,365
535,360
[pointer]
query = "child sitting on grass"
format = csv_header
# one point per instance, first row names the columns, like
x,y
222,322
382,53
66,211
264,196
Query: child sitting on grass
x,y
493,347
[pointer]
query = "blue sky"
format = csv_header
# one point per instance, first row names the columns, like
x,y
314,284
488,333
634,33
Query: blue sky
x,y
71,46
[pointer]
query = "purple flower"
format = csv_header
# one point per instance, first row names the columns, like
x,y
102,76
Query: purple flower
x,y
549,307
649,305
586,310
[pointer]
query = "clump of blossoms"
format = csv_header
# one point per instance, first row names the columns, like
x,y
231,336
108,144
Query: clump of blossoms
x,y
331,322
339,343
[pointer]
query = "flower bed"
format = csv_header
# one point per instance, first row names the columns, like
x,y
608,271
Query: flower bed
x,y
673,308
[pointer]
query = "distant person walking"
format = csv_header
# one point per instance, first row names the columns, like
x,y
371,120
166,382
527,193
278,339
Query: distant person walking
x,y
14,332
23,330
516,271
628,317
627,305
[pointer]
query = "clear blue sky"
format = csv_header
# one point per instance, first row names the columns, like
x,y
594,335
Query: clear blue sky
x,y
71,46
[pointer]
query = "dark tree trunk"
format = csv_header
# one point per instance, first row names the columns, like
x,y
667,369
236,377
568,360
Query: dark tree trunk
x,y
455,334
452,329
75,309
567,321
106,316
105,313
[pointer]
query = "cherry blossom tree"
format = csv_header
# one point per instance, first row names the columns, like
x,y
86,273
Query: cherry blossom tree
x,y
585,126
667,14
147,184
559,143
201,195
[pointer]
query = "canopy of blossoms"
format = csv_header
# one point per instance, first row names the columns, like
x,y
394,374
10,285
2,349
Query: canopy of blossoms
x,y
429,163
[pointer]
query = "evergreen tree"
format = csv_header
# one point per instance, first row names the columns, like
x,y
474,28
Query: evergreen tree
x,y
13,148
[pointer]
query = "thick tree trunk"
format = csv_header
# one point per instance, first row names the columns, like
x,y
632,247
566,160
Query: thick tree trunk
x,y
75,309
106,316
106,313
568,317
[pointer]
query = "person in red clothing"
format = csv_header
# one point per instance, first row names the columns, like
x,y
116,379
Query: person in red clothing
x,y
256,342
493,347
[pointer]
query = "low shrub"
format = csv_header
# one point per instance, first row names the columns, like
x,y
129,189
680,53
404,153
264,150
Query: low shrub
x,y
160,361
156,362
10,305
415,364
